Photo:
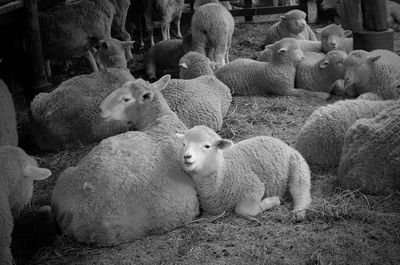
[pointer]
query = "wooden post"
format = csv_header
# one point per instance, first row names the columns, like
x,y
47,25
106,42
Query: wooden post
x,y
351,15
375,15
36,66
248,4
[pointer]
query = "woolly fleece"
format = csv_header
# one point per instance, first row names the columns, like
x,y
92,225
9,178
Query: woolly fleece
x,y
118,30
193,65
8,122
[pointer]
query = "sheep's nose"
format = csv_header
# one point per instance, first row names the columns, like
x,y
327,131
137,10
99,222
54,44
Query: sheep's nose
x,y
187,156
333,44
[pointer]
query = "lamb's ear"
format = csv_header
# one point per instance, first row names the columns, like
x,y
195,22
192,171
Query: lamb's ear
x,y
223,144
162,82
372,59
282,49
324,64
36,173
347,32
319,30
183,65
128,43
283,17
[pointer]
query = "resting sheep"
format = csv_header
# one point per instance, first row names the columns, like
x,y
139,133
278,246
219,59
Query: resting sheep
x,y
373,72
69,115
320,140
130,185
17,173
249,77
114,53
292,25
8,122
212,29
194,64
248,177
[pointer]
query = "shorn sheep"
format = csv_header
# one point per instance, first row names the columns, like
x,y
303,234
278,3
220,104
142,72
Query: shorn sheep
x,y
114,53
320,140
371,154
131,184
212,29
69,115
249,77
18,171
373,72
292,25
248,177
8,122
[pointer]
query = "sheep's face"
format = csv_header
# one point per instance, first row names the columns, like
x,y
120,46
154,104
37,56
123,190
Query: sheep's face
x,y
358,73
114,53
201,151
333,62
333,38
330,4
287,49
296,26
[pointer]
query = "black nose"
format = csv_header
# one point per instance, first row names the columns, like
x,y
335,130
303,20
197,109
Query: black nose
x,y
187,156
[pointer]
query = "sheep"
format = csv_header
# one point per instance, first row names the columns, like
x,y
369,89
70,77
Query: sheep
x,y
118,30
69,115
374,72
248,177
194,64
212,29
17,173
164,56
370,158
225,4
249,77
322,75
72,29
114,53
291,25
8,122
321,138
129,185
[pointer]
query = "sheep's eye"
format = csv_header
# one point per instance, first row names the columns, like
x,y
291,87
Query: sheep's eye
x,y
184,144
126,99
207,146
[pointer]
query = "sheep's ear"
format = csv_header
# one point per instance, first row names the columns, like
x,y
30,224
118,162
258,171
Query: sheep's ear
x,y
319,30
104,45
347,32
183,65
224,144
282,50
179,135
128,43
324,64
162,82
283,17
36,173
372,59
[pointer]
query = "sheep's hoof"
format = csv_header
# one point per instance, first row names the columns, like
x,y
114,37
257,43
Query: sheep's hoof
x,y
298,216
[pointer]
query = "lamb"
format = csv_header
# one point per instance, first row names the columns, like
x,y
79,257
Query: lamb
x,y
320,140
373,72
164,56
8,122
69,115
130,185
322,75
72,29
212,29
194,64
248,177
225,4
114,53
17,173
291,25
249,77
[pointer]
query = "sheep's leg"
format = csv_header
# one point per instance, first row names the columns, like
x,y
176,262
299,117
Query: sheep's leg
x,y
248,208
164,29
149,28
169,30
48,67
227,50
177,23
210,54
92,62
306,93
6,228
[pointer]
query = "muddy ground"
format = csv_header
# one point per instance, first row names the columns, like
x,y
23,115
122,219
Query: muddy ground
x,y
342,227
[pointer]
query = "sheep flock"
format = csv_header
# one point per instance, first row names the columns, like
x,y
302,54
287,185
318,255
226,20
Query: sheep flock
x,y
201,141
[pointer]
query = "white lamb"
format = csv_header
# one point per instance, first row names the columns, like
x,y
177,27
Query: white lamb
x,y
249,77
131,184
248,177
18,171
373,72
320,140
8,122
212,29
114,53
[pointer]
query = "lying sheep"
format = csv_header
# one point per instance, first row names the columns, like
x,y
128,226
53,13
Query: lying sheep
x,y
292,25
321,138
322,75
249,77
248,177
71,30
8,122
69,115
130,185
373,72
225,4
371,155
164,56
194,64
212,29
17,173
114,53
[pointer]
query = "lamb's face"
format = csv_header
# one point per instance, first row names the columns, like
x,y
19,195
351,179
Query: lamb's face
x,y
296,26
333,62
287,49
333,38
358,71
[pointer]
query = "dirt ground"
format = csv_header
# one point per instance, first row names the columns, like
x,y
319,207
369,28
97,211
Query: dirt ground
x,y
342,227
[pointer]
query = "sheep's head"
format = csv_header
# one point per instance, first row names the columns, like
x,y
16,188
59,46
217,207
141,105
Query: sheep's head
x,y
333,62
130,102
201,151
286,50
19,170
330,4
114,53
295,21
333,38
193,65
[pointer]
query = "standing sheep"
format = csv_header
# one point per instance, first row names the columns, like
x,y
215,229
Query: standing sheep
x,y
292,25
17,173
373,72
371,154
130,185
320,140
212,29
249,77
225,4
69,115
248,177
8,122
114,53
118,24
